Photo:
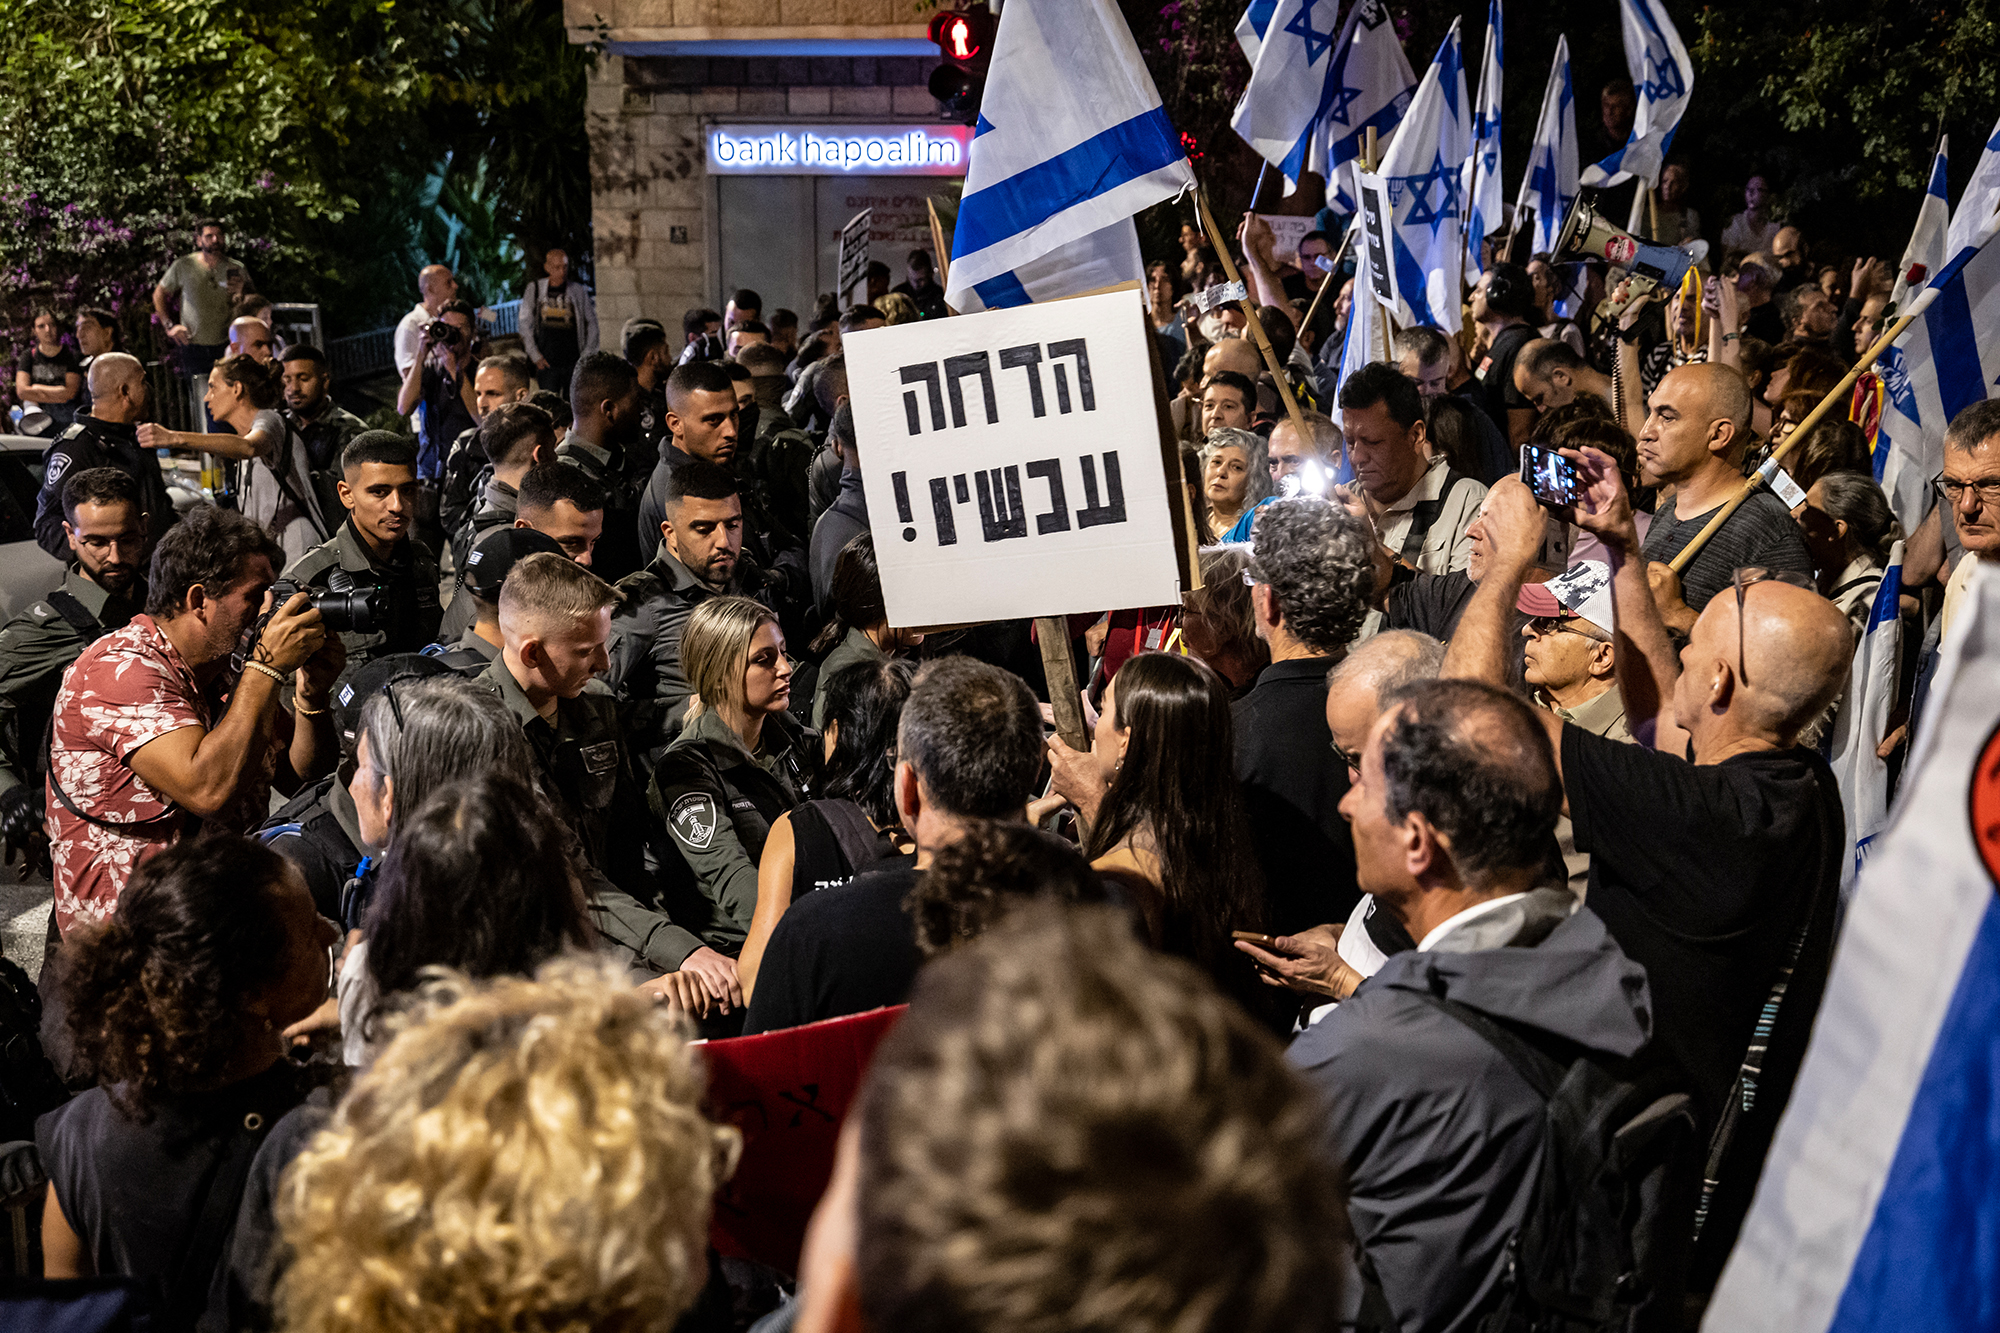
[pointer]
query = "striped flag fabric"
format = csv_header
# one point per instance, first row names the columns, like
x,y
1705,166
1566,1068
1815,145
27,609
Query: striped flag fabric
x,y
1071,139
1864,720
1977,206
1548,187
1925,254
1251,27
1482,168
1420,174
1877,1208
1663,79
1370,86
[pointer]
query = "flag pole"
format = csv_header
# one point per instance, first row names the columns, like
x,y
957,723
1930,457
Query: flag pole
x,y
1333,267
1756,479
1253,325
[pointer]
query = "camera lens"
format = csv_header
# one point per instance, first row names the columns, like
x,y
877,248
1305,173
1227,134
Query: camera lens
x,y
348,612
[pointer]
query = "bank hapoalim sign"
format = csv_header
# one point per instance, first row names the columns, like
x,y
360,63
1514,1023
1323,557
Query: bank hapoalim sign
x,y
1018,463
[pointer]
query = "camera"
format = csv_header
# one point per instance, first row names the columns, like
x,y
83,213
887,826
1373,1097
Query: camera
x,y
443,331
345,608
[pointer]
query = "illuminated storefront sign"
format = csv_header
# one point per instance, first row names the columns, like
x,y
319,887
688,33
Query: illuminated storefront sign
x,y
838,150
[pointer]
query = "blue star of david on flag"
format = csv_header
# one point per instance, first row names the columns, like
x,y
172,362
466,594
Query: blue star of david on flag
x,y
1425,211
1301,27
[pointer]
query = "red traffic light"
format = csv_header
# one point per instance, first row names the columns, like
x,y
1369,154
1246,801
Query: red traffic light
x,y
963,36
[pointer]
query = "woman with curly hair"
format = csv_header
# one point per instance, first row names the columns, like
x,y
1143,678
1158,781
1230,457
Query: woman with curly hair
x,y
1166,816
523,1156
176,1005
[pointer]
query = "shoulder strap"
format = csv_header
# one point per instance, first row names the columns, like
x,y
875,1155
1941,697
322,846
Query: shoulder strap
x,y
311,512
166,819
218,1217
1535,1066
1425,514
858,840
73,611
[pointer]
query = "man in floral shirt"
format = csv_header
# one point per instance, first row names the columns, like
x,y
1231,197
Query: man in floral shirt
x,y
144,752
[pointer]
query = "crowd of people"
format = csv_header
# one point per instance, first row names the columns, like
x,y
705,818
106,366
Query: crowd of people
x,y
407,815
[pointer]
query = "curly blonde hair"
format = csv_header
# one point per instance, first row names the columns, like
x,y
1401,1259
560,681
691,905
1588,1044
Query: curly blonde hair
x,y
526,1156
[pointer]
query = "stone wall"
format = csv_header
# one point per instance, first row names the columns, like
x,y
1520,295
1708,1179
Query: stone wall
x,y
649,183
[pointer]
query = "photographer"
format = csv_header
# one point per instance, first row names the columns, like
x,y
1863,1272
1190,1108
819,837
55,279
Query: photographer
x,y
142,752
440,381
105,523
374,551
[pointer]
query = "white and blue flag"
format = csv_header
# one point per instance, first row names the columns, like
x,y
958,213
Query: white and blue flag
x,y
1877,1209
1420,174
1367,337
1548,187
1071,140
1250,28
1925,254
1370,86
1482,168
1104,258
1976,207
1663,78
1947,360
1864,721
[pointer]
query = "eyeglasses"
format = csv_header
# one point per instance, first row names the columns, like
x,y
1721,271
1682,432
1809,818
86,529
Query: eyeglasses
x,y
1348,757
1746,576
1543,626
1951,490
395,708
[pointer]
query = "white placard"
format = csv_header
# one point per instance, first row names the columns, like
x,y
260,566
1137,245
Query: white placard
x,y
1378,218
1286,232
1012,462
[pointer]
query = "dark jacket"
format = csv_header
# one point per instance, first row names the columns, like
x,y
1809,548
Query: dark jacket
x,y
1292,786
1441,1136
857,647
319,832
499,505
645,649
36,648
93,443
785,584
717,801
844,520
409,592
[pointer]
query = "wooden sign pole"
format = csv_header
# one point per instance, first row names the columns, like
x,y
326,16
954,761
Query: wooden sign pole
x,y
1059,667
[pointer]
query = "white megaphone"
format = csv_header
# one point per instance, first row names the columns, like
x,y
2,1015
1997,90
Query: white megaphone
x,y
1586,235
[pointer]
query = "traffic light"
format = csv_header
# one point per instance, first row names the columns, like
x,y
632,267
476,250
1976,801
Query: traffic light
x,y
964,38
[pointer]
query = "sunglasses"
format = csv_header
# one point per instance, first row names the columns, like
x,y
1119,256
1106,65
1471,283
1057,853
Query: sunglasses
x,y
1742,581
1543,626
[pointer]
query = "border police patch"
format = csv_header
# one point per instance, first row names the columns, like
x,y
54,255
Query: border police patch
x,y
693,820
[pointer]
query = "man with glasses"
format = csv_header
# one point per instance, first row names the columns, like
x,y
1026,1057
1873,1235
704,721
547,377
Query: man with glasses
x,y
1693,441
1969,487
104,521
1716,843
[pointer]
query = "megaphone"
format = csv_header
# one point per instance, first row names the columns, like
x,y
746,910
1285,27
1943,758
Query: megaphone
x,y
1586,235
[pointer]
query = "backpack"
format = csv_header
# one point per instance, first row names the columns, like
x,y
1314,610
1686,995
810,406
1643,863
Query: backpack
x,y
780,464
28,1082
1603,1243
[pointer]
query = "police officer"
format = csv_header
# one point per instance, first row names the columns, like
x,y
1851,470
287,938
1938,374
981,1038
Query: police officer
x,y
738,764
325,426
104,523
515,437
603,442
555,616
318,830
375,549
106,436
500,380
700,556
486,569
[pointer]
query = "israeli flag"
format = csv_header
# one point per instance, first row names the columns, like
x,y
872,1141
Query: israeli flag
x,y
1420,174
1251,27
1549,187
1877,1209
1977,205
1947,360
1925,254
1367,336
1289,84
1482,169
1864,721
1071,139
1104,258
1663,77
1370,85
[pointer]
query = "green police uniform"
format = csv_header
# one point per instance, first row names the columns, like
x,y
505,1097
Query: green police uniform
x,y
36,647
582,769
717,802
409,580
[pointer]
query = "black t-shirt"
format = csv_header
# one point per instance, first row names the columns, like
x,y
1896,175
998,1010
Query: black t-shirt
x,y
1764,322
1496,372
1702,874
1292,786
51,371
1760,532
842,950
832,842
135,1193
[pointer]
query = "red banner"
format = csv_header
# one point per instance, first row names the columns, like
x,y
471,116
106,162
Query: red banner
x,y
788,1092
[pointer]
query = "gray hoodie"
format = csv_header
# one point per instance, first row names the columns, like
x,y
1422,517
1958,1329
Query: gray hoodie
x,y
1439,1134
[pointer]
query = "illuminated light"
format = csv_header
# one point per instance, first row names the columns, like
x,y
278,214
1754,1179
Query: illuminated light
x,y
825,150
959,34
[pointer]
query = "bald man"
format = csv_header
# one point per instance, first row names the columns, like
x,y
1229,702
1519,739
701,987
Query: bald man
x,y
105,436
250,337
1237,354
1696,431
436,288
1716,842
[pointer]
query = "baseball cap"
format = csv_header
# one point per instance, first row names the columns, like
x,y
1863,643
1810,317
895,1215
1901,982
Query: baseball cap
x,y
497,553
369,680
1582,591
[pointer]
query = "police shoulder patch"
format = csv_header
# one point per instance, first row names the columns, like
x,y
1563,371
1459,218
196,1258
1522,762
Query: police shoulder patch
x,y
693,820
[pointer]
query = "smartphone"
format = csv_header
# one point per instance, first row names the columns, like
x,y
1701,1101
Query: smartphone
x,y
1261,941
1553,478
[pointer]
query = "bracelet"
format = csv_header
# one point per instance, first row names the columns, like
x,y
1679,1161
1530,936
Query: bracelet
x,y
272,672
1731,337
300,708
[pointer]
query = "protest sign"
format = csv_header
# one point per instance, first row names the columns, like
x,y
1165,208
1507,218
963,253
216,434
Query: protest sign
x,y
1014,464
1286,231
854,252
1377,218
